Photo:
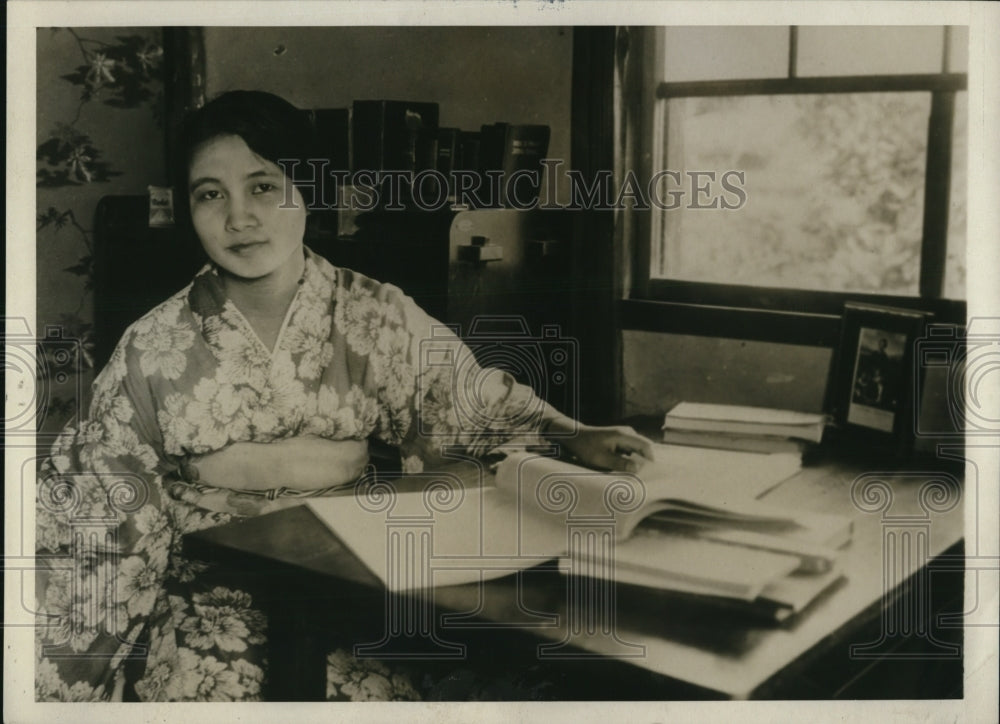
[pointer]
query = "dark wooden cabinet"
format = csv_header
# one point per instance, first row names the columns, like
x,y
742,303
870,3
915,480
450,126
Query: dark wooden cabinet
x,y
135,267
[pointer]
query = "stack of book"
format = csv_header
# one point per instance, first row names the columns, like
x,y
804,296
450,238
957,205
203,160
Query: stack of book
x,y
693,527
500,164
734,427
332,127
771,563
393,136
702,531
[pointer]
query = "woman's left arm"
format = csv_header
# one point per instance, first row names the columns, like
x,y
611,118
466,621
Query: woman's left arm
x,y
448,399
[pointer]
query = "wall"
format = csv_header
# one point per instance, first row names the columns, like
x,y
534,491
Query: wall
x,y
477,74
661,370
99,91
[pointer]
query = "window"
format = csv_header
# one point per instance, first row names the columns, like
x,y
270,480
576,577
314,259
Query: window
x,y
840,153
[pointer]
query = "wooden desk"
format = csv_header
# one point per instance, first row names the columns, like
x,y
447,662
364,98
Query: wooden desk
x,y
887,604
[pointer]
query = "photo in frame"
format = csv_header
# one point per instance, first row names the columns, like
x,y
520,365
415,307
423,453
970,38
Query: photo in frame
x,y
874,382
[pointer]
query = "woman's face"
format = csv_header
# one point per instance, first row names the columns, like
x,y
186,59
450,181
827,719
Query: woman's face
x,y
239,212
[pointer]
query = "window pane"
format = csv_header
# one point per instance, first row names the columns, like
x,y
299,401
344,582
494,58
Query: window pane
x,y
869,50
954,270
833,183
724,53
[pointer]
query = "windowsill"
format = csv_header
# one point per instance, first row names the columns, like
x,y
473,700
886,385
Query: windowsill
x,y
791,300
763,325
788,316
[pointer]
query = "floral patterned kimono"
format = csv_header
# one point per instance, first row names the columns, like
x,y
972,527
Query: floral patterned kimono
x,y
118,605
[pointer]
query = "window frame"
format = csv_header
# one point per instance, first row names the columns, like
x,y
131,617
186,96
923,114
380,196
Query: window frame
x,y
786,314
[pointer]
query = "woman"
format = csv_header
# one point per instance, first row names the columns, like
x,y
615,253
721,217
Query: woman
x,y
256,385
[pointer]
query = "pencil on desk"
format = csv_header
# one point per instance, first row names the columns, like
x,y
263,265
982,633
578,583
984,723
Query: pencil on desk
x,y
813,558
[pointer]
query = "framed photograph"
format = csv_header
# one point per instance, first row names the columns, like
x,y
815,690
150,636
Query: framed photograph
x,y
874,383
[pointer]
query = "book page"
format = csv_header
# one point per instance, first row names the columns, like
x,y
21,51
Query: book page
x,y
715,476
413,545
720,483
677,562
712,478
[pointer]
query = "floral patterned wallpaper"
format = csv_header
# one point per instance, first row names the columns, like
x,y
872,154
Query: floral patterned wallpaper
x,y
100,99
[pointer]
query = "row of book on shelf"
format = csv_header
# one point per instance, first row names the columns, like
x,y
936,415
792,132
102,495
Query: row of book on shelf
x,y
384,135
691,523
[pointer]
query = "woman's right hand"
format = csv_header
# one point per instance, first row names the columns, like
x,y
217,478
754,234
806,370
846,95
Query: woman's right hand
x,y
300,463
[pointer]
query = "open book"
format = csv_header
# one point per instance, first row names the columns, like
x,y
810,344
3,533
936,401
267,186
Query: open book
x,y
539,504
686,483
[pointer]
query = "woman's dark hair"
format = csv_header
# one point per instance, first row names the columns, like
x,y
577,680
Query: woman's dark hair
x,y
271,126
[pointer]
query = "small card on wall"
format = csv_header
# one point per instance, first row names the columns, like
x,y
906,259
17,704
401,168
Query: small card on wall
x,y
161,207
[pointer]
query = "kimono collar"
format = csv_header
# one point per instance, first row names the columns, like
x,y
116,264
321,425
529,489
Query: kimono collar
x,y
207,296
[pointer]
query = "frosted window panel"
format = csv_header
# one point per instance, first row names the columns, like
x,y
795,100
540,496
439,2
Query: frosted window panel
x,y
834,191
954,270
834,50
958,51
725,53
